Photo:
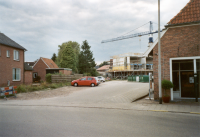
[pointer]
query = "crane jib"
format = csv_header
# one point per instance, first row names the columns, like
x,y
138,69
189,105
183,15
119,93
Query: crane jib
x,y
129,36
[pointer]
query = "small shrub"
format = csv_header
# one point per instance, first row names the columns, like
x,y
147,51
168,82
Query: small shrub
x,y
48,77
44,85
21,89
166,84
37,79
53,85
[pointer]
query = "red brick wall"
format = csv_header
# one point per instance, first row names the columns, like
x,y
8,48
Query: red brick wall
x,y
28,79
40,68
176,42
7,64
66,72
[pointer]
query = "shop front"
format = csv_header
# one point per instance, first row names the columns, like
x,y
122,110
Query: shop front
x,y
185,75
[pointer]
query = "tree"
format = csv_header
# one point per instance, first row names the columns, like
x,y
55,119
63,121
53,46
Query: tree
x,y
75,46
68,58
86,60
54,57
104,63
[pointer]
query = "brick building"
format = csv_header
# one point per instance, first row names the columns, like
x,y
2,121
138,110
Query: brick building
x,y
11,61
180,53
44,66
28,72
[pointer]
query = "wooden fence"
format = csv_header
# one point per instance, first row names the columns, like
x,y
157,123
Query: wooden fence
x,y
65,78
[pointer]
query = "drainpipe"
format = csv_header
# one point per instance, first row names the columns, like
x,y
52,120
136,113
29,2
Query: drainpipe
x,y
195,80
159,57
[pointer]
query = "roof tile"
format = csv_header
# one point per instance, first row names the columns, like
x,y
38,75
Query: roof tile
x,y
190,13
50,63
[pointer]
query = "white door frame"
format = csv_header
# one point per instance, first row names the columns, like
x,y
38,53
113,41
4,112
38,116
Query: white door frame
x,y
181,58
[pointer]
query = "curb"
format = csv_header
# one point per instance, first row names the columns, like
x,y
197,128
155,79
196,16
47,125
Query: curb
x,y
174,111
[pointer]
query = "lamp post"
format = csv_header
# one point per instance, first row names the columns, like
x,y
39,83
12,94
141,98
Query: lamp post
x,y
159,56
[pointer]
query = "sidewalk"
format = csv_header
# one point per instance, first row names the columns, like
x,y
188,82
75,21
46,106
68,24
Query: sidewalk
x,y
176,106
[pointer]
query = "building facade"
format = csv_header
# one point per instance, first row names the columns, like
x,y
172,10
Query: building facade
x,y
11,62
180,53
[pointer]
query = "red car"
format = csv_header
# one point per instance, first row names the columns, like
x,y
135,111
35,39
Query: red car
x,y
84,81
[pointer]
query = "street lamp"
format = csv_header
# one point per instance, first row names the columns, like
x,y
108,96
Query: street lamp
x,y
159,56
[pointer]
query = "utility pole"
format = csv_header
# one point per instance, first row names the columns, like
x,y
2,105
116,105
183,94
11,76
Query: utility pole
x,y
159,56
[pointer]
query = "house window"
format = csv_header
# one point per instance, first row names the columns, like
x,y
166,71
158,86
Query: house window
x,y
35,75
16,55
8,53
16,74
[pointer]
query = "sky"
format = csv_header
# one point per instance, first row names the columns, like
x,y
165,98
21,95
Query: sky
x,y
41,25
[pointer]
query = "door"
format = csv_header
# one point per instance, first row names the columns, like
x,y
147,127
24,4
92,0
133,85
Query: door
x,y
82,81
187,84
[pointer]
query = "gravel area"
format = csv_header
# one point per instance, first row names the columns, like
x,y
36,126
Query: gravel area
x,y
47,93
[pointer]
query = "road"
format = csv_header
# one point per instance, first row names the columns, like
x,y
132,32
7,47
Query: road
x,y
26,121
105,110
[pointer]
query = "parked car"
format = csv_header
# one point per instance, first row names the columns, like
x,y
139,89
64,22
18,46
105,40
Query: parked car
x,y
85,81
102,79
98,80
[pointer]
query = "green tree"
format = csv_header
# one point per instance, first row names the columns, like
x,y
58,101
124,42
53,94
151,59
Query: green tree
x,y
54,57
104,63
68,58
86,60
75,46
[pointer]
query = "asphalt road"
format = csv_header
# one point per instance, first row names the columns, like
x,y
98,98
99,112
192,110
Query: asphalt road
x,y
105,110
26,121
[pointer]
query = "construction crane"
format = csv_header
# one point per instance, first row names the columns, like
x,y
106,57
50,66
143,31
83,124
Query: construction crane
x,y
150,33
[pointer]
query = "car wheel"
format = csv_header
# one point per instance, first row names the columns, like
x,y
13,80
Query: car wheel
x,y
101,80
75,84
92,85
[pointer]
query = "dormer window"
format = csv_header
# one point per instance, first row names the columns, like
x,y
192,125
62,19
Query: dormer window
x,y
16,55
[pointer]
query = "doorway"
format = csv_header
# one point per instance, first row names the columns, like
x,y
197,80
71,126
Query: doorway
x,y
187,84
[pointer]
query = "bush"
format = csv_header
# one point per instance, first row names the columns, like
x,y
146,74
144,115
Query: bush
x,y
166,84
53,85
21,89
48,77
86,74
37,79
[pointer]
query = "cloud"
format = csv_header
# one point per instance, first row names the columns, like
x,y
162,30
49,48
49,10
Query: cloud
x,y
40,26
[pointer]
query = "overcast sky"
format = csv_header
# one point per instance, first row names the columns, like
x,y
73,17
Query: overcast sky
x,y
41,25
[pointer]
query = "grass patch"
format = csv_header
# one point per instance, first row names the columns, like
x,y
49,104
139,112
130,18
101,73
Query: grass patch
x,y
30,88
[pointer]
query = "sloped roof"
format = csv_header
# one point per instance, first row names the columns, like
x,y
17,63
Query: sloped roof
x,y
105,67
190,13
9,42
49,62
27,67
30,63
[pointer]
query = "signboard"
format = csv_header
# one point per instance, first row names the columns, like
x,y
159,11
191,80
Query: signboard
x,y
191,79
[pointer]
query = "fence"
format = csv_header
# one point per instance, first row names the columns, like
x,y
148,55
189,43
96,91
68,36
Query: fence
x,y
65,78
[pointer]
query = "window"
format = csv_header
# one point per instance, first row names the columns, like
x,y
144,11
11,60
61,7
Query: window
x,y
35,75
89,79
8,53
16,55
16,74
83,79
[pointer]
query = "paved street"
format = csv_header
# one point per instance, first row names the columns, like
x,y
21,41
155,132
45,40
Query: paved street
x,y
23,121
105,110
108,94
